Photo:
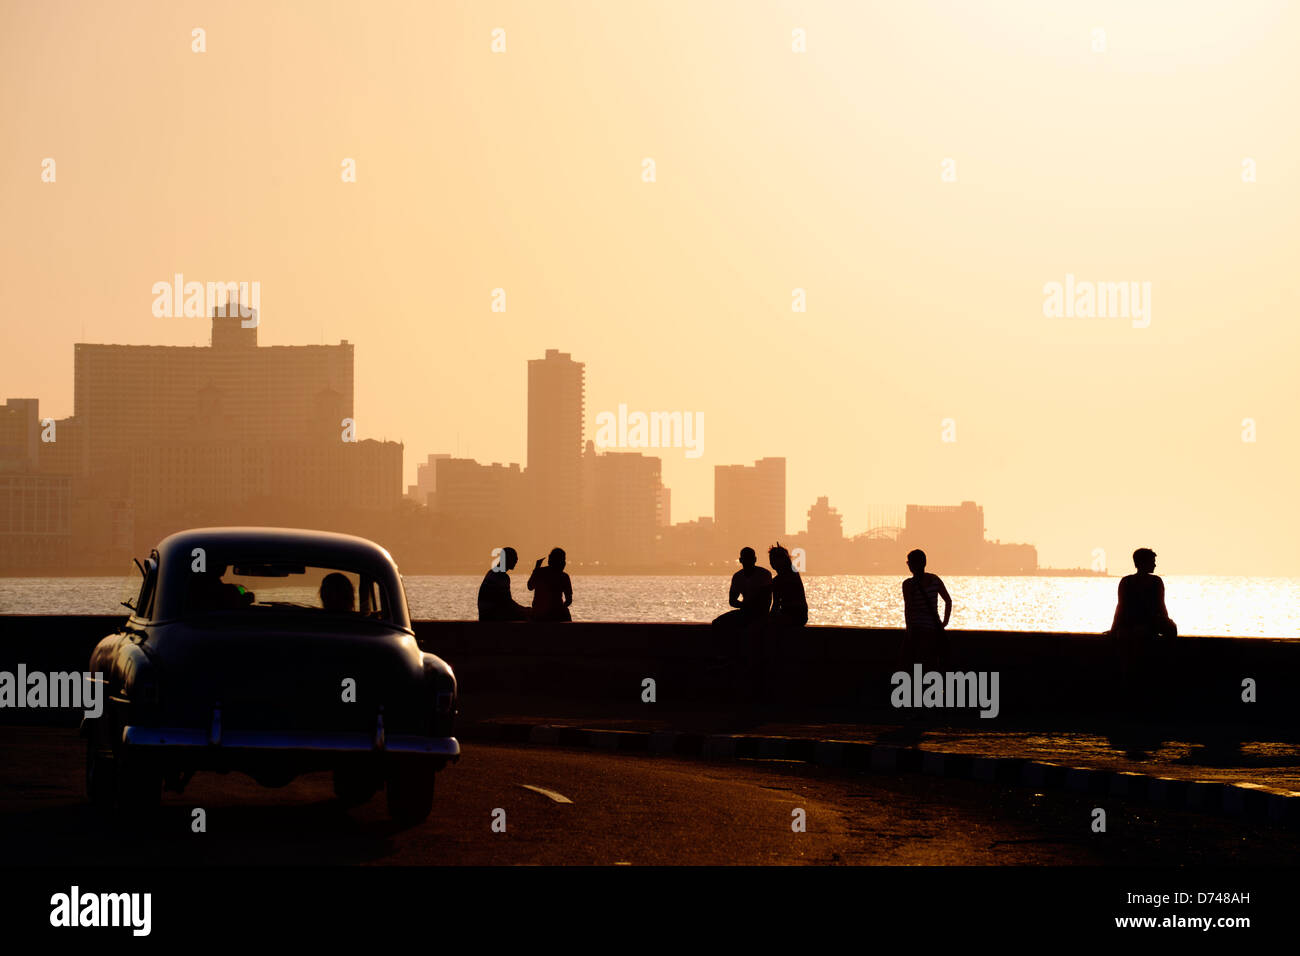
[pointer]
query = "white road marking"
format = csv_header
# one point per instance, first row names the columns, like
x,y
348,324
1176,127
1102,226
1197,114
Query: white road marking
x,y
557,797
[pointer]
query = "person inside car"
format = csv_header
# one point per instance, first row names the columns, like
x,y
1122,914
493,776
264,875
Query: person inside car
x,y
336,593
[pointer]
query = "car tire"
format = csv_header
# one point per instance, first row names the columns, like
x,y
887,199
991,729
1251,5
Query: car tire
x,y
353,789
410,791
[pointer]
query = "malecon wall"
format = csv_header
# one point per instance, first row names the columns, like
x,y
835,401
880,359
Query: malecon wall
x,y
817,673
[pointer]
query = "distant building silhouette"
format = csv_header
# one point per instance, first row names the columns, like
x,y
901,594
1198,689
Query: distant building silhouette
x,y
692,545
426,480
35,505
621,506
953,538
165,437
748,503
556,408
476,506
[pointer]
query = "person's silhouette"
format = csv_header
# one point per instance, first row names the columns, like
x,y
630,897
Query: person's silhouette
x,y
336,593
495,602
552,589
749,596
925,639
1140,618
789,605
1140,609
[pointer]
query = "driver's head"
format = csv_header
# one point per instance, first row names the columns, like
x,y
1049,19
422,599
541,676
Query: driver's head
x,y
336,592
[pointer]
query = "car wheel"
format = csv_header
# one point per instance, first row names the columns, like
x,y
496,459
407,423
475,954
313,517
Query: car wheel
x,y
410,791
101,777
353,789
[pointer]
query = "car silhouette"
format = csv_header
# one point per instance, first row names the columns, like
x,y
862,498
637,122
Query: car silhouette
x,y
274,652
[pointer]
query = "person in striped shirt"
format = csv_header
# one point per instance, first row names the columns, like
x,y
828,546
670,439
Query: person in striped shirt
x,y
925,631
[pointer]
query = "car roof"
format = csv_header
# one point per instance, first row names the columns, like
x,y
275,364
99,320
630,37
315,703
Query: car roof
x,y
323,548
254,540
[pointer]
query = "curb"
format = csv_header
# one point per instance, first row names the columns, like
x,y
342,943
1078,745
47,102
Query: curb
x,y
1239,800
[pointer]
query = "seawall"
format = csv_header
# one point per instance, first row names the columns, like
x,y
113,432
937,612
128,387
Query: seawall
x,y
813,673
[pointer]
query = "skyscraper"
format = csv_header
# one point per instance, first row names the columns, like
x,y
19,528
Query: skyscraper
x,y
556,405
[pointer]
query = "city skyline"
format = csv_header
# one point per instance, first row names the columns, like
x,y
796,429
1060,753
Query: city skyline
x,y
233,433
922,268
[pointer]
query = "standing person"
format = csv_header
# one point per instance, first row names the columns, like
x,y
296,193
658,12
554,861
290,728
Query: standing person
x,y
495,602
749,596
1140,618
552,589
925,640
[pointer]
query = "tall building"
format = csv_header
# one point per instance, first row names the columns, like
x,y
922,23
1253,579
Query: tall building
x,y
20,434
168,437
35,505
749,504
556,409
129,397
623,505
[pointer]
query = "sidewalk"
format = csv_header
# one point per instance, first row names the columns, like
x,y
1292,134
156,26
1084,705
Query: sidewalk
x,y
1258,779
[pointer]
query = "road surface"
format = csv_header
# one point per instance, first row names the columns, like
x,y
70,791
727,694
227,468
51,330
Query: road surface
x,y
585,807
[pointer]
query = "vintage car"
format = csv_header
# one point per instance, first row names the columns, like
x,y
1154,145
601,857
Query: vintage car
x,y
274,652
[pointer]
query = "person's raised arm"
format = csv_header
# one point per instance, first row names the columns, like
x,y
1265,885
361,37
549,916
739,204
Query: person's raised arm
x,y
733,596
532,577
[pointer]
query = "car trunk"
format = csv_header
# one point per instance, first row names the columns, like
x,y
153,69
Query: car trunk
x,y
283,671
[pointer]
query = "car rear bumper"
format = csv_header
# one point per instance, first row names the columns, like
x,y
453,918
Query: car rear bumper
x,y
190,738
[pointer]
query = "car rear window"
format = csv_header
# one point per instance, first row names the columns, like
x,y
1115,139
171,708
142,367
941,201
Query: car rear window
x,y
286,585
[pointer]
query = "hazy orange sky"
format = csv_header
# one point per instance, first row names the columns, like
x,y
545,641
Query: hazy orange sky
x,y
775,170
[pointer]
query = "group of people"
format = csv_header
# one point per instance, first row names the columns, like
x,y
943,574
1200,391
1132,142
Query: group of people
x,y
758,596
550,584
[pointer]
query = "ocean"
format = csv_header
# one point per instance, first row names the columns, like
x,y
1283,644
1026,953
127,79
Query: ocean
x,y
1200,605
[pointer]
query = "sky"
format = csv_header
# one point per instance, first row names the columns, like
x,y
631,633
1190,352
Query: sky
x,y
923,171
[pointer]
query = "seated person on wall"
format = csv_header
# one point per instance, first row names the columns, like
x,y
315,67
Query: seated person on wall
x,y
749,596
1140,618
336,593
1140,612
495,602
789,606
552,589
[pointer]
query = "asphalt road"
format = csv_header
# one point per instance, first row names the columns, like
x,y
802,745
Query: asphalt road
x,y
636,809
